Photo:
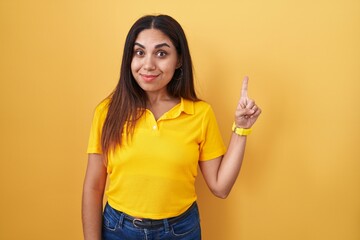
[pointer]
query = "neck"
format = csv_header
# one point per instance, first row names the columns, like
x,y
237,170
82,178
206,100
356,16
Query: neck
x,y
158,104
156,98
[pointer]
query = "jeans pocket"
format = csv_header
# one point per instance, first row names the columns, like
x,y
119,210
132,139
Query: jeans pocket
x,y
110,220
190,226
182,230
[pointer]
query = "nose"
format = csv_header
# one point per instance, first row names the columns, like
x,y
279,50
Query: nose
x,y
149,63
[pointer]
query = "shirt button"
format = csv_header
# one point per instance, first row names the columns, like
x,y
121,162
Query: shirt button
x,y
154,127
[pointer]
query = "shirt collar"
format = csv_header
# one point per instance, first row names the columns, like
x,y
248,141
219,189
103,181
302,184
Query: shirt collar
x,y
185,105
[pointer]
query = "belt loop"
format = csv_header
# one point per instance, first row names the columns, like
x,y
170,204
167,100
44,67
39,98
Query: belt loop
x,y
166,225
121,220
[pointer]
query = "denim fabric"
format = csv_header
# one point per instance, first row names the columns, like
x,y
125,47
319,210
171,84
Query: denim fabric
x,y
117,227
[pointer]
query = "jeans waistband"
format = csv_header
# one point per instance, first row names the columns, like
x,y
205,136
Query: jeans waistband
x,y
156,223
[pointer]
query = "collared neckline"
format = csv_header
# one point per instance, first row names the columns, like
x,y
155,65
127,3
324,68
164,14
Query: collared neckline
x,y
185,105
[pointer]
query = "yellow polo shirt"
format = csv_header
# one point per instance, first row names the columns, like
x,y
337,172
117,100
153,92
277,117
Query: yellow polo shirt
x,y
153,174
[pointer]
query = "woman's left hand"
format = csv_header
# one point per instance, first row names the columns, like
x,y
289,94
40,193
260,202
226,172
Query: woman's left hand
x,y
247,111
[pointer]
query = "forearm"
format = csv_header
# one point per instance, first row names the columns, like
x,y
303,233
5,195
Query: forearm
x,y
92,206
220,173
230,165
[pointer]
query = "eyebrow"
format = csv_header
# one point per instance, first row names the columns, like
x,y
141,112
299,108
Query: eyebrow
x,y
156,46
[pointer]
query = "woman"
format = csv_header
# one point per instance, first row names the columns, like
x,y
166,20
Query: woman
x,y
149,136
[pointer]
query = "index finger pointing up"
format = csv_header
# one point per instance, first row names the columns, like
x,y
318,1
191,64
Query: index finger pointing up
x,y
244,88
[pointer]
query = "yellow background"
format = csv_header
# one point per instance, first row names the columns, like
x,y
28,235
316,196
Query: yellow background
x,y
300,178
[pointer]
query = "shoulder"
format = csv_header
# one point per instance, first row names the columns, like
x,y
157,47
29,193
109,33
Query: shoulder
x,y
202,106
102,108
103,105
202,103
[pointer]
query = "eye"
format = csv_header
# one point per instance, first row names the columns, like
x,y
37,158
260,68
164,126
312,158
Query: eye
x,y
161,54
139,52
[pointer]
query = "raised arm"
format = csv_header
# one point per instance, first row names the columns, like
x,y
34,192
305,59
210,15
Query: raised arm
x,y
92,201
220,173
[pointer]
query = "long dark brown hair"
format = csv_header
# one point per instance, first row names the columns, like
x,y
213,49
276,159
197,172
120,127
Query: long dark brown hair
x,y
128,100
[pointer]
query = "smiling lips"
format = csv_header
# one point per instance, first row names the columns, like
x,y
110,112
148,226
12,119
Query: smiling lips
x,y
148,78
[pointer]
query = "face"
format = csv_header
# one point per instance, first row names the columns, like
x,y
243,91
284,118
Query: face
x,y
154,61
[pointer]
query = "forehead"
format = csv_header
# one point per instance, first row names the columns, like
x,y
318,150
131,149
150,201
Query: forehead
x,y
151,37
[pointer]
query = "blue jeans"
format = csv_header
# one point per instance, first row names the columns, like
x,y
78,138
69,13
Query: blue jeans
x,y
120,226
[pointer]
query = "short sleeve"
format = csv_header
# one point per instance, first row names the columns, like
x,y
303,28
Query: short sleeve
x,y
212,145
94,145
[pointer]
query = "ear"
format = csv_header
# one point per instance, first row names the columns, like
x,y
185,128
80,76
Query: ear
x,y
179,63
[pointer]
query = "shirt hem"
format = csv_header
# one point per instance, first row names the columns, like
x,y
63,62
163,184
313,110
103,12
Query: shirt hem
x,y
150,215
